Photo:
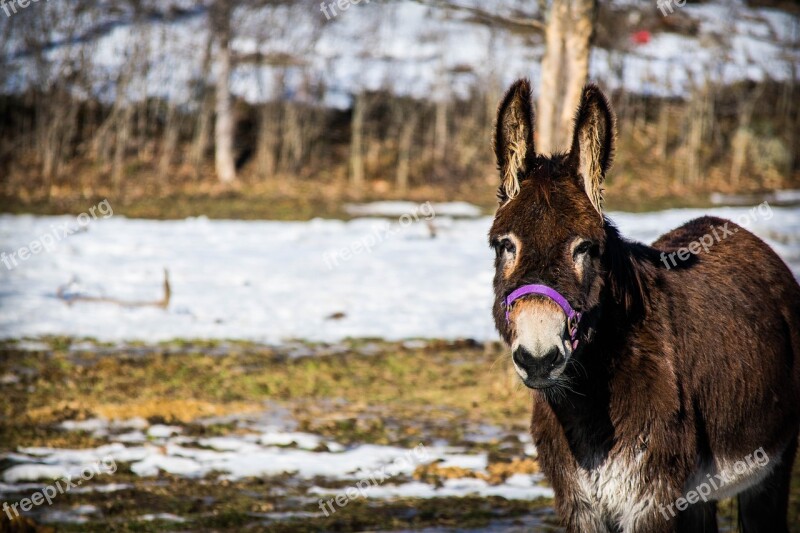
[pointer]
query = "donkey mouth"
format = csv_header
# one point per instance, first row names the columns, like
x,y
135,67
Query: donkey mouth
x,y
539,383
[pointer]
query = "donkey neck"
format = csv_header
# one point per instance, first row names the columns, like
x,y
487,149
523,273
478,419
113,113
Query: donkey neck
x,y
583,410
630,269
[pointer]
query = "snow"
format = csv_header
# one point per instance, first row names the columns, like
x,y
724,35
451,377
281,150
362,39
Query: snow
x,y
388,469
517,487
274,281
397,209
33,472
167,517
236,457
789,196
10,488
306,441
471,462
74,515
8,379
96,425
104,488
226,444
133,436
179,466
161,431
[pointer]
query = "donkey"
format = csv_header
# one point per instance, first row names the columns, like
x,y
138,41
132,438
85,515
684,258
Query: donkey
x,y
659,387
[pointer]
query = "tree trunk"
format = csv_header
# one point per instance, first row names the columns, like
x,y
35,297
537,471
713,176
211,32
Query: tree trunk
x,y
169,143
740,143
662,135
200,144
292,143
404,152
123,127
47,118
792,119
440,133
356,143
224,127
565,68
268,141
203,127
698,112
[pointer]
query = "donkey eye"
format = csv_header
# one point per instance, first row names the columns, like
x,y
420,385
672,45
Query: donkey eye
x,y
582,248
508,246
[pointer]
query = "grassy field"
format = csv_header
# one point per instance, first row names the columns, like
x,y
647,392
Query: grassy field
x,y
364,391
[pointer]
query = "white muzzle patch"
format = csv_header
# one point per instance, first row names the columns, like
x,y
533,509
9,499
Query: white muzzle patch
x,y
539,326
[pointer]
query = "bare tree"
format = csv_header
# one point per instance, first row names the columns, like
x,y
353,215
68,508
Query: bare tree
x,y
170,138
357,142
205,111
440,133
406,139
565,65
224,128
565,69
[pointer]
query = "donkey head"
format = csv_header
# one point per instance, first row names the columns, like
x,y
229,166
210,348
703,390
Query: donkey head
x,y
548,232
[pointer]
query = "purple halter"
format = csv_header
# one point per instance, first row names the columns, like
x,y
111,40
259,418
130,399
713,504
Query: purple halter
x,y
573,317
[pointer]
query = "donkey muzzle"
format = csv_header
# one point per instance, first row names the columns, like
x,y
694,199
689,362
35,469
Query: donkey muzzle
x,y
535,371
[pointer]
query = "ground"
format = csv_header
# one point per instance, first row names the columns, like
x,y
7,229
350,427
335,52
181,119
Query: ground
x,y
457,396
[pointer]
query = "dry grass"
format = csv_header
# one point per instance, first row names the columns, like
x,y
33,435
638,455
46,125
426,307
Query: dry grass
x,y
358,392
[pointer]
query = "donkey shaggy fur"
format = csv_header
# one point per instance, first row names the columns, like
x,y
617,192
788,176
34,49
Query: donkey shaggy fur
x,y
680,372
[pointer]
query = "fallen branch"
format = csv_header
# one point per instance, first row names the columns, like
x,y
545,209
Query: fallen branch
x,y
163,303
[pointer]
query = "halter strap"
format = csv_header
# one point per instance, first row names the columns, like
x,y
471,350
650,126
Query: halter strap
x,y
573,317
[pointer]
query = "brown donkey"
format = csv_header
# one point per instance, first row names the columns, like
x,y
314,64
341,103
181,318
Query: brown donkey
x,y
659,386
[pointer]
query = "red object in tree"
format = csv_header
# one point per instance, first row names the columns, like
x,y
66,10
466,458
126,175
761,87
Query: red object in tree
x,y
640,37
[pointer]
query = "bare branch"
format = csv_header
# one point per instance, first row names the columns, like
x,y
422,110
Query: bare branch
x,y
489,18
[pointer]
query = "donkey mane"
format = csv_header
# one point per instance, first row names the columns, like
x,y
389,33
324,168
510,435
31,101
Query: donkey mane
x,y
631,267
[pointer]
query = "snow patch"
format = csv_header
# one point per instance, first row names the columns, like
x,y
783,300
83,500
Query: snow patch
x,y
269,281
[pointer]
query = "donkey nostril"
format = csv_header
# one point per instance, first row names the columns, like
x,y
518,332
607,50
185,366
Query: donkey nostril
x,y
537,366
553,358
522,357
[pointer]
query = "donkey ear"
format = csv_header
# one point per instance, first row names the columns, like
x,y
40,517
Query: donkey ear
x,y
593,142
513,138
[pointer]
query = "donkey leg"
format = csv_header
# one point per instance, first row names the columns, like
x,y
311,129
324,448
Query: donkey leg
x,y
764,507
698,518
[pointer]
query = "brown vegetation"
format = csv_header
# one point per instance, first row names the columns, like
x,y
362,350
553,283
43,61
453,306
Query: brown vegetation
x,y
741,139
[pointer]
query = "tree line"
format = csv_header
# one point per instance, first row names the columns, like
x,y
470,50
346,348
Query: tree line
x,y
58,135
